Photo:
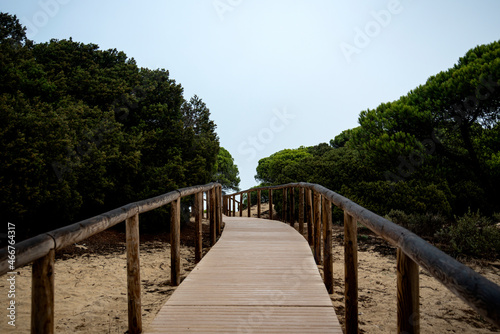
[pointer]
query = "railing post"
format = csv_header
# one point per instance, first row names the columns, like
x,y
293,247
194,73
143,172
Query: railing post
x,y
301,210
283,208
175,241
198,215
133,275
219,210
292,207
408,294
213,223
310,218
270,204
241,205
234,205
317,227
351,274
258,203
249,204
327,245
42,295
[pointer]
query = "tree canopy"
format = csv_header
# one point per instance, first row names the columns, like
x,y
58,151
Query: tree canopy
x,y
84,130
434,150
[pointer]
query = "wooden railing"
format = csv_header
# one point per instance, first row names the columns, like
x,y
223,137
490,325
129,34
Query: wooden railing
x,y
412,251
41,249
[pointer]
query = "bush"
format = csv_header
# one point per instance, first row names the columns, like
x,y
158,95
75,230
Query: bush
x,y
421,224
474,235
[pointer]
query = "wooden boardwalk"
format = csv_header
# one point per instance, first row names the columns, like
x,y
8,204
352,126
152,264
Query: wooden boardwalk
x,y
260,277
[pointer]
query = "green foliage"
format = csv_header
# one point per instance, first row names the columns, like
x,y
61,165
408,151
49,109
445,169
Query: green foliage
x,y
432,153
84,130
227,171
473,234
426,224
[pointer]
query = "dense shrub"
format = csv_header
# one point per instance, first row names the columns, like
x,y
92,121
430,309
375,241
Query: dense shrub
x,y
473,234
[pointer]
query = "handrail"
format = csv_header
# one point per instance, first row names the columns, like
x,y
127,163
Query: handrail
x,y
475,290
41,249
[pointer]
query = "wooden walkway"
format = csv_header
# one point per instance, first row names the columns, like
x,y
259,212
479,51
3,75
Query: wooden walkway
x,y
260,277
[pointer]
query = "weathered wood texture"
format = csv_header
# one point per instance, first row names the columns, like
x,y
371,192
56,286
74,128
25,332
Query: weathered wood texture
x,y
241,205
198,221
260,277
258,203
408,292
175,242
249,204
133,275
301,211
327,245
271,209
42,294
292,206
317,228
310,217
351,274
212,219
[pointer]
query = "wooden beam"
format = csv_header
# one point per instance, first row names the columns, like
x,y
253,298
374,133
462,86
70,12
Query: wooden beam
x,y
241,205
292,207
317,227
327,245
301,210
270,204
198,222
259,198
249,204
219,210
234,205
42,294
408,294
351,274
133,275
213,223
283,208
310,217
175,241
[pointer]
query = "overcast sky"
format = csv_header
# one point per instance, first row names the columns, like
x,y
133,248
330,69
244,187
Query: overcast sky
x,y
276,74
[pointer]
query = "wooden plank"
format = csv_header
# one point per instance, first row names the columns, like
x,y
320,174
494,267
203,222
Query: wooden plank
x,y
260,277
42,296
175,242
133,275
198,215
327,245
408,294
351,274
292,206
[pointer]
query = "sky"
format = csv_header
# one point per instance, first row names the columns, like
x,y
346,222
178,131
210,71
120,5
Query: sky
x,y
276,74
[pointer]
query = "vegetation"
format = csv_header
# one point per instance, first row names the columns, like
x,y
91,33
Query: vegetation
x,y
424,160
84,130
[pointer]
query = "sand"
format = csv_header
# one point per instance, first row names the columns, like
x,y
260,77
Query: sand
x,y
90,283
